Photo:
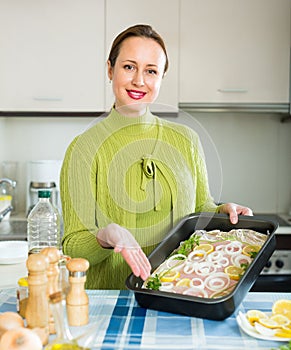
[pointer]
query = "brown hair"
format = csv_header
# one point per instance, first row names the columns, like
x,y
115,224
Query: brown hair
x,y
139,30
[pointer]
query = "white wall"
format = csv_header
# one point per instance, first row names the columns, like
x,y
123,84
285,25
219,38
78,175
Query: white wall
x,y
2,138
253,149
25,139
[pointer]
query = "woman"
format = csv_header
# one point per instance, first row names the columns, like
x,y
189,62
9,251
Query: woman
x,y
132,176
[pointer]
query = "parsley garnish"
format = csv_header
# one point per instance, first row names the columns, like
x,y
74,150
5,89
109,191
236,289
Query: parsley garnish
x,y
154,282
284,347
244,266
187,246
253,254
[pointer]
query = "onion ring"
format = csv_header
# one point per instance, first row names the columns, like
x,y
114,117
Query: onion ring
x,y
189,268
217,281
223,262
205,268
214,256
174,262
196,279
195,255
233,248
236,260
220,247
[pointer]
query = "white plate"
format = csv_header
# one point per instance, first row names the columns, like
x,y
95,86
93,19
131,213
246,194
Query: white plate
x,y
13,252
251,331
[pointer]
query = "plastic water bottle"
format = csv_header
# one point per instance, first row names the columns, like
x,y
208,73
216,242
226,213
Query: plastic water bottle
x,y
43,224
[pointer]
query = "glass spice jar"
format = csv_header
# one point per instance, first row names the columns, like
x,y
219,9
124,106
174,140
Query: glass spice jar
x,y
22,296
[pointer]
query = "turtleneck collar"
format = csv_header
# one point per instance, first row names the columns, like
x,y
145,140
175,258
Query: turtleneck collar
x,y
131,125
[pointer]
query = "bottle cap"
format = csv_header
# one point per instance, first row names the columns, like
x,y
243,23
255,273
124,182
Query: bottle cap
x,y
44,194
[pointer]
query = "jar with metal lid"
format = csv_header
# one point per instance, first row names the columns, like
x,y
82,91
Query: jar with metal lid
x,y
22,296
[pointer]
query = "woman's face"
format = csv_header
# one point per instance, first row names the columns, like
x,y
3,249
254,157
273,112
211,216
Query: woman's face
x,y
137,75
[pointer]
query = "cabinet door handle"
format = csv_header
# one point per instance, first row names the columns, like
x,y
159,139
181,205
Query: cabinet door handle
x,y
47,98
238,90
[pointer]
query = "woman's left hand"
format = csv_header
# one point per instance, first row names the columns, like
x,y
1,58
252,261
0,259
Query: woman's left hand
x,y
233,210
123,242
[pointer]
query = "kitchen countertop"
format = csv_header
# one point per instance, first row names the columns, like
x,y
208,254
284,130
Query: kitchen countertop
x,y
122,324
16,227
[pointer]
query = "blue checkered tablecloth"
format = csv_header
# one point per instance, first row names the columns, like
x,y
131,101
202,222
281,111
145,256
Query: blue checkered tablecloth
x,y
123,324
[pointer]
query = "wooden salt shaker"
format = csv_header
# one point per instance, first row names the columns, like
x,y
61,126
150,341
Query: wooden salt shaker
x,y
77,299
53,255
37,311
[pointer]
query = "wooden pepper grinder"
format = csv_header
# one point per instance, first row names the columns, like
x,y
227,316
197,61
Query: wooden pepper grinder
x,y
37,310
53,255
77,299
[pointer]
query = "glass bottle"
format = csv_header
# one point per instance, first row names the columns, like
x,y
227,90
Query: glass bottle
x,y
64,339
43,224
7,187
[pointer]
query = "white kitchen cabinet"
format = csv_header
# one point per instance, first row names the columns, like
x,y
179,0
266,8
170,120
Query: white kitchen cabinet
x,y
52,55
234,51
163,16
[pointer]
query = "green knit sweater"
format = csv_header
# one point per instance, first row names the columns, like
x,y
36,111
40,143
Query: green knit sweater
x,y
143,173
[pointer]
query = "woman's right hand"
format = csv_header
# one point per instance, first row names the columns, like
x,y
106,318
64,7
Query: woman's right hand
x,y
123,242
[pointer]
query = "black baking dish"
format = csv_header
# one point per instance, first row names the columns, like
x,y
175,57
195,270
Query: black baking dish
x,y
214,309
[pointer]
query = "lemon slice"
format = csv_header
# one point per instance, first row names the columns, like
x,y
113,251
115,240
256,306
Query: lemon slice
x,y
170,276
234,272
287,328
280,319
207,247
282,307
249,249
184,282
264,330
254,316
284,332
269,323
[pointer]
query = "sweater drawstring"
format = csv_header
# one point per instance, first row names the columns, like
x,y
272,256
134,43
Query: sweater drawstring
x,y
150,172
